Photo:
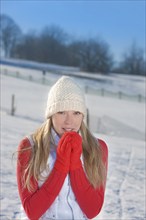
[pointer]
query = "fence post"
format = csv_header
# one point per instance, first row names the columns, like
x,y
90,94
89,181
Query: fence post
x,y
44,72
13,105
17,74
120,95
102,92
30,77
5,71
139,97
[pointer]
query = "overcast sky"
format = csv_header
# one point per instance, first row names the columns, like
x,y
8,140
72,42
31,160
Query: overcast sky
x,y
117,22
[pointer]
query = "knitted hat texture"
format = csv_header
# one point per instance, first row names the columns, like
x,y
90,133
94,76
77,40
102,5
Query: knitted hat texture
x,y
65,95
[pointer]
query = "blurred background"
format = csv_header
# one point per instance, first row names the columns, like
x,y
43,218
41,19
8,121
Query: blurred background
x,y
101,44
95,36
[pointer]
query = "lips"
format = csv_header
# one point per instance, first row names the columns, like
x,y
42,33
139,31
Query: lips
x,y
68,129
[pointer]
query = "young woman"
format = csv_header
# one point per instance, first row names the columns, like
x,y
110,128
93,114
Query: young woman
x,y
62,167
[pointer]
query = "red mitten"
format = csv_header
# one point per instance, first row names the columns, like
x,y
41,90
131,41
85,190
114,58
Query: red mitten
x,y
63,153
76,150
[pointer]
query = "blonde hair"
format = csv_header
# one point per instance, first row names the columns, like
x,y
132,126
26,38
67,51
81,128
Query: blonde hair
x,y
92,156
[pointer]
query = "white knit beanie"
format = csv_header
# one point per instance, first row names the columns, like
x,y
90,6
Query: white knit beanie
x,y
65,95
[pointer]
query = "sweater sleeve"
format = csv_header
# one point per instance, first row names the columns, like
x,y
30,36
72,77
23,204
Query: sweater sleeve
x,y
89,199
37,202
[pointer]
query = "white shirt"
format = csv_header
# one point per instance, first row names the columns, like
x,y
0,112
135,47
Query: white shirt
x,y
65,206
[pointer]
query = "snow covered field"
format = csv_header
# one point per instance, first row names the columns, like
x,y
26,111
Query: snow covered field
x,y
121,123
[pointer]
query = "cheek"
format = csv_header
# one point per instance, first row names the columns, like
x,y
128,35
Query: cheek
x,y
54,122
78,122
57,124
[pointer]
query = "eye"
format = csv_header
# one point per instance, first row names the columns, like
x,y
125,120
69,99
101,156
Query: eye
x,y
77,113
61,113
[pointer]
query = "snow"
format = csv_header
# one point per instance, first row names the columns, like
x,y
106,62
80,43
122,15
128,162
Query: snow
x,y
120,123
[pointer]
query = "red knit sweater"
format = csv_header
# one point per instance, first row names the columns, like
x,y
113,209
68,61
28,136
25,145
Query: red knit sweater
x,y
37,202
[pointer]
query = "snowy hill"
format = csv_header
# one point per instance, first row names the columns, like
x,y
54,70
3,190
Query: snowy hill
x,y
121,123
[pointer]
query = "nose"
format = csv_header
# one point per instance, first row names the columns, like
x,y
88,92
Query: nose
x,y
68,118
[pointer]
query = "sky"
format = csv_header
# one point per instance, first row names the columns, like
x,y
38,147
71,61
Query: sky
x,y
119,22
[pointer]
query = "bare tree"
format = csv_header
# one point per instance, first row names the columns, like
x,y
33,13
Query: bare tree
x,y
93,55
133,61
10,34
56,33
53,45
47,46
29,47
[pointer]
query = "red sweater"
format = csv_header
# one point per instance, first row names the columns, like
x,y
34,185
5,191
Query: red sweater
x,y
37,202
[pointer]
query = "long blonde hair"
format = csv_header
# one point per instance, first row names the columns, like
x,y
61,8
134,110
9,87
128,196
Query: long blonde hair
x,y
92,156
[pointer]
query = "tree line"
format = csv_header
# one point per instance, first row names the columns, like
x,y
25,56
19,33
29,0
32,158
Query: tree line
x,y
54,45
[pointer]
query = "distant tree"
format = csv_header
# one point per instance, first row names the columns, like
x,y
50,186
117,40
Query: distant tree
x,y
53,45
73,56
28,48
49,46
10,34
56,33
93,55
133,61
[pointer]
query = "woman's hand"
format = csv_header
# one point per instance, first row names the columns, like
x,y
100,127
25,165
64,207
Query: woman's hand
x,y
76,151
63,153
69,151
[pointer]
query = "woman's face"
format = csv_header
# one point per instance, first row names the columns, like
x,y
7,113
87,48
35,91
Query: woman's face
x,y
67,121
